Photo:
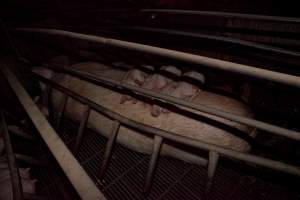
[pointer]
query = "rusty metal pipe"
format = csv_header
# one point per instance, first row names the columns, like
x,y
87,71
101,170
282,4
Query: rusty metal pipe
x,y
269,163
241,69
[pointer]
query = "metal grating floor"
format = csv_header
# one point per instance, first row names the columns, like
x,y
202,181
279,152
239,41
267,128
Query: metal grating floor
x,y
174,179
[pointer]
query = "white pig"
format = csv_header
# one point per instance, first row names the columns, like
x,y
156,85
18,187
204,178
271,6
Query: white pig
x,y
176,123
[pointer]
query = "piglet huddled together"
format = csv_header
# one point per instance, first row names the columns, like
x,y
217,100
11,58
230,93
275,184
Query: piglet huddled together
x,y
168,81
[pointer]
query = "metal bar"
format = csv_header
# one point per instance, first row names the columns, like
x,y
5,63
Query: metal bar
x,y
109,147
85,117
173,100
61,110
46,100
212,166
153,163
14,172
241,69
30,160
245,43
19,132
224,14
265,162
75,173
28,196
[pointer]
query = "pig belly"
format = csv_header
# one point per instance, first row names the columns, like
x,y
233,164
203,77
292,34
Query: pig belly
x,y
172,122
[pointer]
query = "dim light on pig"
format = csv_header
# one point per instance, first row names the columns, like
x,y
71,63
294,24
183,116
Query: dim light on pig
x,y
178,123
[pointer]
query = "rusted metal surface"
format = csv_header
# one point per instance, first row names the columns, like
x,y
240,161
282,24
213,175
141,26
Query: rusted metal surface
x,y
17,190
241,69
75,173
269,163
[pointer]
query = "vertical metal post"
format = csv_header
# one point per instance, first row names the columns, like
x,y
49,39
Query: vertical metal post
x,y
46,101
14,172
212,166
61,110
85,116
109,147
153,163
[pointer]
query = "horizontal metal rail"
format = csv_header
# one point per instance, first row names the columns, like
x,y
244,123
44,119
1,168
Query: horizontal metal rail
x,y
166,98
75,173
269,163
224,15
245,43
245,70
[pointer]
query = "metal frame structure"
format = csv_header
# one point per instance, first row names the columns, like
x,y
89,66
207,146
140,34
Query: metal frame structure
x,y
73,170
223,39
14,172
214,151
12,158
245,70
224,15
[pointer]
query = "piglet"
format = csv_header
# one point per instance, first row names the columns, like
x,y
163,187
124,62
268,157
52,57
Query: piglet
x,y
182,90
134,77
157,81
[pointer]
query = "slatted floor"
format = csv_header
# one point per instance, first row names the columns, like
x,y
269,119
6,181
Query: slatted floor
x,y
174,179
